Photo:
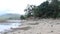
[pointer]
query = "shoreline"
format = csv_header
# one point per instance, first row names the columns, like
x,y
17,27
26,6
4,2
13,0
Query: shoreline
x,y
9,27
47,26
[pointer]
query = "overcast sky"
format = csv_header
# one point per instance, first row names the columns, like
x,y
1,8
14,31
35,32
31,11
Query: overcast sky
x,y
16,6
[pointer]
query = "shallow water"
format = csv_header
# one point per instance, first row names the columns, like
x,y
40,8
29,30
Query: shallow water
x,y
7,26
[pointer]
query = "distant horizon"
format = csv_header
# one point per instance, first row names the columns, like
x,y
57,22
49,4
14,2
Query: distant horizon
x,y
8,13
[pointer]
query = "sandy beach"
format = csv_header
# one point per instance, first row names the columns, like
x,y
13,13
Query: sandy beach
x,y
41,26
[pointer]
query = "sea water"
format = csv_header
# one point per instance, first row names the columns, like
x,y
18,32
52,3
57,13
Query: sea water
x,y
8,26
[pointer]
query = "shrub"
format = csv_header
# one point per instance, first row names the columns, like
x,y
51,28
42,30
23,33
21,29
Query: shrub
x,y
22,17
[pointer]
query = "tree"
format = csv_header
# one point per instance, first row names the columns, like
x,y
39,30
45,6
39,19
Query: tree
x,y
22,17
55,5
44,10
29,11
37,11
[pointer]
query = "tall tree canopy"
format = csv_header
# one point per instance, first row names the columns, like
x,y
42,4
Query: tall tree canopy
x,y
45,9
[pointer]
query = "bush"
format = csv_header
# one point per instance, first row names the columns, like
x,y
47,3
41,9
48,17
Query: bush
x,y
22,17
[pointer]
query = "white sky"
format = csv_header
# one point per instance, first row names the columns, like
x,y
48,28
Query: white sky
x,y
16,6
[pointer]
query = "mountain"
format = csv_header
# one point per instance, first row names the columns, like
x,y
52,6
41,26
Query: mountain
x,y
10,16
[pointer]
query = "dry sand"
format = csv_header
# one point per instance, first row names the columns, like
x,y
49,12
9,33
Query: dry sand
x,y
42,26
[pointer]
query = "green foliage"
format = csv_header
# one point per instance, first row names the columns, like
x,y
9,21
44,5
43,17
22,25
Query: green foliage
x,y
22,17
45,10
29,11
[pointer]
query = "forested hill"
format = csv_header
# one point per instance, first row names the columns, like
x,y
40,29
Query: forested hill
x,y
10,16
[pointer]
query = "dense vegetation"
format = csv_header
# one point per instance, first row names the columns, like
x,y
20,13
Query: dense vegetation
x,y
22,17
44,10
